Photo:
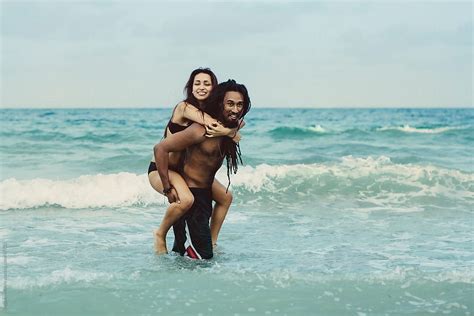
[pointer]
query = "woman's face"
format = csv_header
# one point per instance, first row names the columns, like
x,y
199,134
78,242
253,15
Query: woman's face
x,y
202,86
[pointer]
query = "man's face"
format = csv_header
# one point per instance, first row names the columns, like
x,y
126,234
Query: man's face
x,y
233,106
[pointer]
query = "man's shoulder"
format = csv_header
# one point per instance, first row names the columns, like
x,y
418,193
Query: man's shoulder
x,y
197,128
196,131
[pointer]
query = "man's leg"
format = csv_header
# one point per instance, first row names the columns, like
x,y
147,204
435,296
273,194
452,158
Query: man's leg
x,y
197,241
179,230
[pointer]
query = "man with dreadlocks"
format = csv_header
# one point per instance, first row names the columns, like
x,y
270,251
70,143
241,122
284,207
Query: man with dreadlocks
x,y
228,103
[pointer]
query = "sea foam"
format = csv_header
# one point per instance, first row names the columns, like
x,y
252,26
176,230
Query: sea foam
x,y
371,179
66,275
409,129
88,191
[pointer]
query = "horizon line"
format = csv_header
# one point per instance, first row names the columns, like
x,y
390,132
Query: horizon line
x,y
260,107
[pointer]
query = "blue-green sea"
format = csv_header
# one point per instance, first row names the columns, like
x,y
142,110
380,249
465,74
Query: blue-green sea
x,y
335,212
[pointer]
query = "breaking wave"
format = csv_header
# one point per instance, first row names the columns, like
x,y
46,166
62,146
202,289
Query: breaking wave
x,y
421,130
370,179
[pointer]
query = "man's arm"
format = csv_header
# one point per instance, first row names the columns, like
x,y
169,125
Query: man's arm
x,y
194,134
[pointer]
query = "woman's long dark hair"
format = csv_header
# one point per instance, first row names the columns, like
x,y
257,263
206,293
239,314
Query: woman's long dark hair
x,y
188,90
214,106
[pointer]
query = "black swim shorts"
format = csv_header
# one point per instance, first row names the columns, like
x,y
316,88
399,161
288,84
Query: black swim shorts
x,y
192,232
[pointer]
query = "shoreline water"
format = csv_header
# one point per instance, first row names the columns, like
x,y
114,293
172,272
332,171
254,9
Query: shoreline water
x,y
336,212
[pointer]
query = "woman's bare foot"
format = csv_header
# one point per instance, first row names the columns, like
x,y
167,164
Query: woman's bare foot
x,y
160,243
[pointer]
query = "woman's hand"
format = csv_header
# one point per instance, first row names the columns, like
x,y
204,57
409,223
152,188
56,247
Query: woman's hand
x,y
216,129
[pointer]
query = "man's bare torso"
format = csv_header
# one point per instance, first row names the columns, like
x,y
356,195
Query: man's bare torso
x,y
202,162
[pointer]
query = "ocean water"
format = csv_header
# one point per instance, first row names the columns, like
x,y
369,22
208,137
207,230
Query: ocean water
x,y
336,212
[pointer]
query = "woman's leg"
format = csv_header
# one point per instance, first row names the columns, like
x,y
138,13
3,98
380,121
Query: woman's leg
x,y
223,202
175,210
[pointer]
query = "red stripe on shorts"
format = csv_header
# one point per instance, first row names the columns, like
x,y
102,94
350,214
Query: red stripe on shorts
x,y
191,253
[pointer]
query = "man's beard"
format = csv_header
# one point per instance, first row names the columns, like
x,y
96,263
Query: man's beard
x,y
229,124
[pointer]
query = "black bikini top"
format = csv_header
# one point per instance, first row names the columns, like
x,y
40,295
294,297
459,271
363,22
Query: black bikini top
x,y
175,128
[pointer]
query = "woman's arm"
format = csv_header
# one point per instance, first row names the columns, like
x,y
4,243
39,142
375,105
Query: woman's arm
x,y
237,137
192,113
213,127
216,131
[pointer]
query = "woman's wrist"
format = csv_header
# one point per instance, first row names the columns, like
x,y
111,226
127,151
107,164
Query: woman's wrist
x,y
233,132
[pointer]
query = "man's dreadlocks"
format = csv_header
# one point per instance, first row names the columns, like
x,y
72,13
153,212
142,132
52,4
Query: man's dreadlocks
x,y
214,106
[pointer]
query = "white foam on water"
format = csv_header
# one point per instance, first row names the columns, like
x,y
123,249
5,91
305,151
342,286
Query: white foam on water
x,y
318,129
89,191
465,275
35,242
4,233
377,181
19,260
128,189
285,277
234,217
408,129
66,275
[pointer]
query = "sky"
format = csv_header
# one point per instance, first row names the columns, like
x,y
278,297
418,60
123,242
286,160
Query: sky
x,y
317,54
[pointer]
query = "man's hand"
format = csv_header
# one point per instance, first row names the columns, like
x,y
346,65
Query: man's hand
x,y
173,196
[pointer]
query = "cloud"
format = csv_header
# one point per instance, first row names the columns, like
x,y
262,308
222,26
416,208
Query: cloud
x,y
311,53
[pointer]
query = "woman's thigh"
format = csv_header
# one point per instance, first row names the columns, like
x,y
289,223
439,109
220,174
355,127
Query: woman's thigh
x,y
219,193
176,181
